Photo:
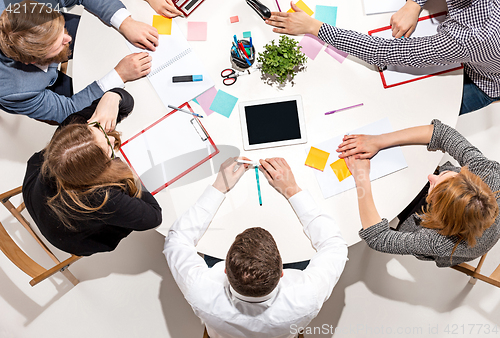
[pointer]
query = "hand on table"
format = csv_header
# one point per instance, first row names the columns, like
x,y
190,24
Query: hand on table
x,y
404,21
359,146
106,111
140,34
227,176
359,168
280,176
165,8
134,66
294,23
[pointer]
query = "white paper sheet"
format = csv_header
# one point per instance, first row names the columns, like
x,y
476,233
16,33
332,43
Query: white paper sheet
x,y
166,150
382,6
398,74
171,46
384,163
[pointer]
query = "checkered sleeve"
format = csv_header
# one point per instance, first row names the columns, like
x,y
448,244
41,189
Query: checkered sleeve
x,y
439,49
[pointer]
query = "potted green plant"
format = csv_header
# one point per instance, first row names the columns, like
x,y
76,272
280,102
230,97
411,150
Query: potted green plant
x,y
282,61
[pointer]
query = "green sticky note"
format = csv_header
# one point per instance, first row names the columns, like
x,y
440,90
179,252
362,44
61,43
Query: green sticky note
x,y
247,34
223,103
326,14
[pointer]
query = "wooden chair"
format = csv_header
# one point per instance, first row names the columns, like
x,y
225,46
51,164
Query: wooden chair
x,y
205,334
19,257
473,272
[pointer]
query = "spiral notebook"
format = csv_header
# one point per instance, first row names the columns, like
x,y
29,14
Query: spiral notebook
x,y
174,57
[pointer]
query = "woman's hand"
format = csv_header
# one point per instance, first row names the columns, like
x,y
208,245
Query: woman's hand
x,y
359,146
404,21
165,8
359,168
294,23
106,111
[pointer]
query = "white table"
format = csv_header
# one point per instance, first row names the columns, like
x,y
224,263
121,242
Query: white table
x,y
325,85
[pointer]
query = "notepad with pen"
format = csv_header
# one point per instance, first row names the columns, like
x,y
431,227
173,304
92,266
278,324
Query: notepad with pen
x,y
396,75
174,57
168,149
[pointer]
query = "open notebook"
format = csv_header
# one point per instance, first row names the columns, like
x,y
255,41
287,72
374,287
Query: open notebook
x,y
168,149
174,57
396,75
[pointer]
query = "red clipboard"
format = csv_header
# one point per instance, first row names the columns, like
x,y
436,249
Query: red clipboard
x,y
381,72
134,161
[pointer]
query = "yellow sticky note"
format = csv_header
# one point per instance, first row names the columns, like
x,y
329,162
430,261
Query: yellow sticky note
x,y
302,5
340,169
317,158
162,24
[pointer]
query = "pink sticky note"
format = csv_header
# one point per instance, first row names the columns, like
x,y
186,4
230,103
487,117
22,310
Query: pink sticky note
x,y
197,31
336,54
311,45
205,100
234,19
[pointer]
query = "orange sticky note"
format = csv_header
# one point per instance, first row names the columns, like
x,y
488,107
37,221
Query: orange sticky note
x,y
317,158
340,169
162,24
302,5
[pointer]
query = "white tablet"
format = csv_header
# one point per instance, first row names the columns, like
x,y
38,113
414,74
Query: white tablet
x,y
272,122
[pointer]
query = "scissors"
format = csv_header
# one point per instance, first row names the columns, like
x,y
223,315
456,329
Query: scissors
x,y
230,75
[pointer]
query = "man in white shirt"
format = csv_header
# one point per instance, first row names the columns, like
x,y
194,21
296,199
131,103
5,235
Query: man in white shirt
x,y
256,298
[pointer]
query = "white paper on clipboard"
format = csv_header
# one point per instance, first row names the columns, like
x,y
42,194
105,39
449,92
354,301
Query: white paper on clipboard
x,y
168,149
382,6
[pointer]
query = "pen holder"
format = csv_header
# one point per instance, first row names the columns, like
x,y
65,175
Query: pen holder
x,y
239,61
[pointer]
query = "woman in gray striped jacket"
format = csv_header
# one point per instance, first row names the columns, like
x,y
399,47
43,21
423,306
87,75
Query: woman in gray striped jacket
x,y
459,218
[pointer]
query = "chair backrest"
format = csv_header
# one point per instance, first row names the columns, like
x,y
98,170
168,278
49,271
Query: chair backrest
x,y
17,256
474,272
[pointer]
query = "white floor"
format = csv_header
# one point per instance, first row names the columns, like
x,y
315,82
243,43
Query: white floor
x,y
130,292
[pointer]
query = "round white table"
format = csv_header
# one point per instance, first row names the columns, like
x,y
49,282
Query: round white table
x,y
325,85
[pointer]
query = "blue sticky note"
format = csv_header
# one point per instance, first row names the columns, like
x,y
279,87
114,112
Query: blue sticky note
x,y
223,103
326,14
249,34
195,100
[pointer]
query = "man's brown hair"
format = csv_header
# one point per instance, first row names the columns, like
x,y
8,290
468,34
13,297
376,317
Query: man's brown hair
x,y
253,263
462,206
26,35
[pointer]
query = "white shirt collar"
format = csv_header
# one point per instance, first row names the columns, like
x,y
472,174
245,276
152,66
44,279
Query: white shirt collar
x,y
254,299
44,68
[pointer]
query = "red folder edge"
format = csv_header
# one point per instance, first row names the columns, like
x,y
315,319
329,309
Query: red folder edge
x,y
381,72
185,172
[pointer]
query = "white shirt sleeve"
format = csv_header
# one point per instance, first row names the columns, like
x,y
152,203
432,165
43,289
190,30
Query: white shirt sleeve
x,y
110,81
184,262
119,16
327,264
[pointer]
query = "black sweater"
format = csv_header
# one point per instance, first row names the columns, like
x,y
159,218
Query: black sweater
x,y
102,230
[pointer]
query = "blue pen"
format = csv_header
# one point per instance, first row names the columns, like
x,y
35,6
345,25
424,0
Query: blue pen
x,y
251,42
235,39
184,111
258,184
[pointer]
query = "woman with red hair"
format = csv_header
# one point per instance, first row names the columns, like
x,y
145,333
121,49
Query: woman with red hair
x,y
453,220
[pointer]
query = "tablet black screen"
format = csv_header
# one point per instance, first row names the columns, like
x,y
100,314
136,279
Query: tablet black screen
x,y
272,122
